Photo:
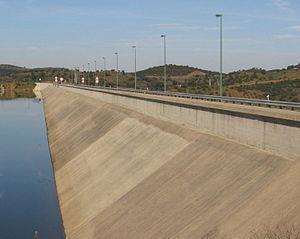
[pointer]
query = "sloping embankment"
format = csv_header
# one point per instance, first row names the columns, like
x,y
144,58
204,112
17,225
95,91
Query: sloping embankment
x,y
121,174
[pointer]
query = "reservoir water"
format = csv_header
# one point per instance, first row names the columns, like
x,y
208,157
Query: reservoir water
x,y
28,199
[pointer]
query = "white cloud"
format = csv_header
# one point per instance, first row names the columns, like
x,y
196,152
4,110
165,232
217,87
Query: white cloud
x,y
183,27
285,36
295,28
177,27
169,25
229,28
282,4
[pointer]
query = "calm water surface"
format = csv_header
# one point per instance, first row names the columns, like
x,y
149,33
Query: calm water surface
x,y
28,200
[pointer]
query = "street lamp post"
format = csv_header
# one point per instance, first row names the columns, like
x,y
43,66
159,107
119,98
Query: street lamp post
x,y
88,74
117,68
104,68
96,77
135,78
165,62
83,72
221,53
75,76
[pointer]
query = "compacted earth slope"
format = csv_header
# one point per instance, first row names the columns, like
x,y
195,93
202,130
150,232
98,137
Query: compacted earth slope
x,y
121,174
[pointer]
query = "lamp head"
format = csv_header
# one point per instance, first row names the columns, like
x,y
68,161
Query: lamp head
x,y
219,15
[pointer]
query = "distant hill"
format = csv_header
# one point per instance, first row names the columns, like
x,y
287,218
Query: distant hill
x,y
10,67
281,84
15,73
172,70
7,69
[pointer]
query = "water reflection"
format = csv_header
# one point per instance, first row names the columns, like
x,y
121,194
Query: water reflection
x,y
16,90
2,90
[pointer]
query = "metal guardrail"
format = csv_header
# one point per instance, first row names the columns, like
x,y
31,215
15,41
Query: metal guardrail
x,y
224,99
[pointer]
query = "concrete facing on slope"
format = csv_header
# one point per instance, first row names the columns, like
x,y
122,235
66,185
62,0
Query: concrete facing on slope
x,y
276,131
123,174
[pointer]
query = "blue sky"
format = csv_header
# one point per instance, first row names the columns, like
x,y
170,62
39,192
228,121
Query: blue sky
x,y
257,33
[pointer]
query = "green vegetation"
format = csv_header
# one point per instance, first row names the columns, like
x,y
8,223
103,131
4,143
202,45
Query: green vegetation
x,y
16,82
288,90
280,84
172,70
10,73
